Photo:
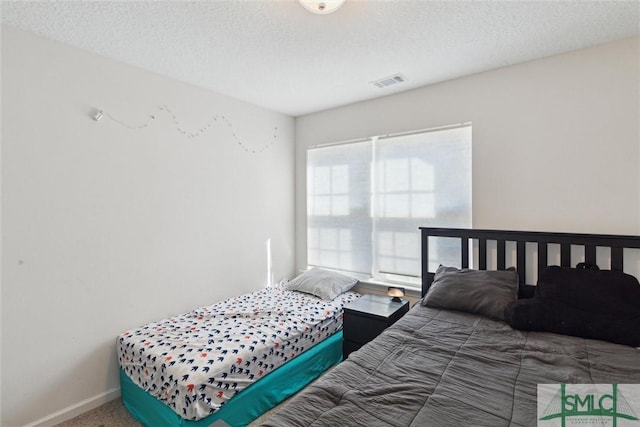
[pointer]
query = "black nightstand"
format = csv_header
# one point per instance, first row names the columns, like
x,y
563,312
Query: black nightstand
x,y
366,317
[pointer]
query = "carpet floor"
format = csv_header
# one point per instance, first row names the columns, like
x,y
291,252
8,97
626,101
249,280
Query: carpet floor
x,y
111,414
114,414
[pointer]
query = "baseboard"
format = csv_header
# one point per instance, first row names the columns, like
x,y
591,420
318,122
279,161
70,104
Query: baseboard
x,y
77,409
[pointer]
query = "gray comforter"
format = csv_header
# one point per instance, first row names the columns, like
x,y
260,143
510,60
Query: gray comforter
x,y
446,368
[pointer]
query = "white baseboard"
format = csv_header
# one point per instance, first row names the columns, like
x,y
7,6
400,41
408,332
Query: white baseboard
x,y
74,410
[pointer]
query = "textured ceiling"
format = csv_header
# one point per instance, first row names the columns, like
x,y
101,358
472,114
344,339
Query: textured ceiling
x,y
278,55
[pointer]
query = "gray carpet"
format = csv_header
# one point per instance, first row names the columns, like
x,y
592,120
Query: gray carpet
x,y
114,414
111,414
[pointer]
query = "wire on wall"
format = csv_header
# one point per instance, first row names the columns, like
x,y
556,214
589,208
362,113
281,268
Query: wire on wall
x,y
100,114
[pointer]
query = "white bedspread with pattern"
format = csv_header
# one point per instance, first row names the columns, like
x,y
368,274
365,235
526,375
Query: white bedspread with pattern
x,y
197,361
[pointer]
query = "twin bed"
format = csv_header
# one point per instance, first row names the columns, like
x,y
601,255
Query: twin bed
x,y
231,361
476,347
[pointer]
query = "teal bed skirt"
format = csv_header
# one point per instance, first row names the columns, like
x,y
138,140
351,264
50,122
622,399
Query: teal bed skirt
x,y
248,404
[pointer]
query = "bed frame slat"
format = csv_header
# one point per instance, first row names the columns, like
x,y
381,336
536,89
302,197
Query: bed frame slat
x,y
590,242
424,243
565,255
464,255
482,254
543,256
590,254
617,255
501,254
521,263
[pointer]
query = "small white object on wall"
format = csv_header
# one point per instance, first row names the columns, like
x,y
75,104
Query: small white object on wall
x,y
322,7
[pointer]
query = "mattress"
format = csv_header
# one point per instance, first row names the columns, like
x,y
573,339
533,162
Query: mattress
x,y
443,368
251,402
195,362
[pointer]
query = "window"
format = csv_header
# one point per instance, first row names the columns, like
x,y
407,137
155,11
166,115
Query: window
x,y
366,200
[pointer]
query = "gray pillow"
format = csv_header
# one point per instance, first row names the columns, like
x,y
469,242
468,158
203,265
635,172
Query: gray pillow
x,y
322,283
474,291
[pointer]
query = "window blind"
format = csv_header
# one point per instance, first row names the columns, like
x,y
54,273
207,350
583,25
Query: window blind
x,y
366,200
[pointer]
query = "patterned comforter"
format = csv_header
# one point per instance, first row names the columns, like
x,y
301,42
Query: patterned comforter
x,y
197,361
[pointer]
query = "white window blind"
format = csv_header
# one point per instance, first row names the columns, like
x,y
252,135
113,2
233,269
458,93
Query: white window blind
x,y
366,200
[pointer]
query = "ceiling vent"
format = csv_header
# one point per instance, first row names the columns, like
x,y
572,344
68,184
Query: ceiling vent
x,y
389,81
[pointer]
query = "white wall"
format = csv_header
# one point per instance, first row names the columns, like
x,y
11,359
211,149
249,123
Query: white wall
x,y
556,142
106,227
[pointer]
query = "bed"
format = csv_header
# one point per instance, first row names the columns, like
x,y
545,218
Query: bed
x,y
509,357
229,362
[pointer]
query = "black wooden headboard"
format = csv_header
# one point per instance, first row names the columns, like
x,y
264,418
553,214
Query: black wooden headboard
x,y
566,240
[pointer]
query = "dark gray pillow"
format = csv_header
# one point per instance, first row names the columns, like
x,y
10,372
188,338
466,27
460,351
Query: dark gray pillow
x,y
322,283
485,292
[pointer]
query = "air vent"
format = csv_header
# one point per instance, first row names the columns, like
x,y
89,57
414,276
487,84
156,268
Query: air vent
x,y
389,81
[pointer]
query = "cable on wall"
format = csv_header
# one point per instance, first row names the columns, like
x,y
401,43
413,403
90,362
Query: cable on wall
x,y
100,114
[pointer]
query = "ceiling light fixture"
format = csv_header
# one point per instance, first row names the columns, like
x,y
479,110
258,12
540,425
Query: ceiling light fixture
x,y
322,7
